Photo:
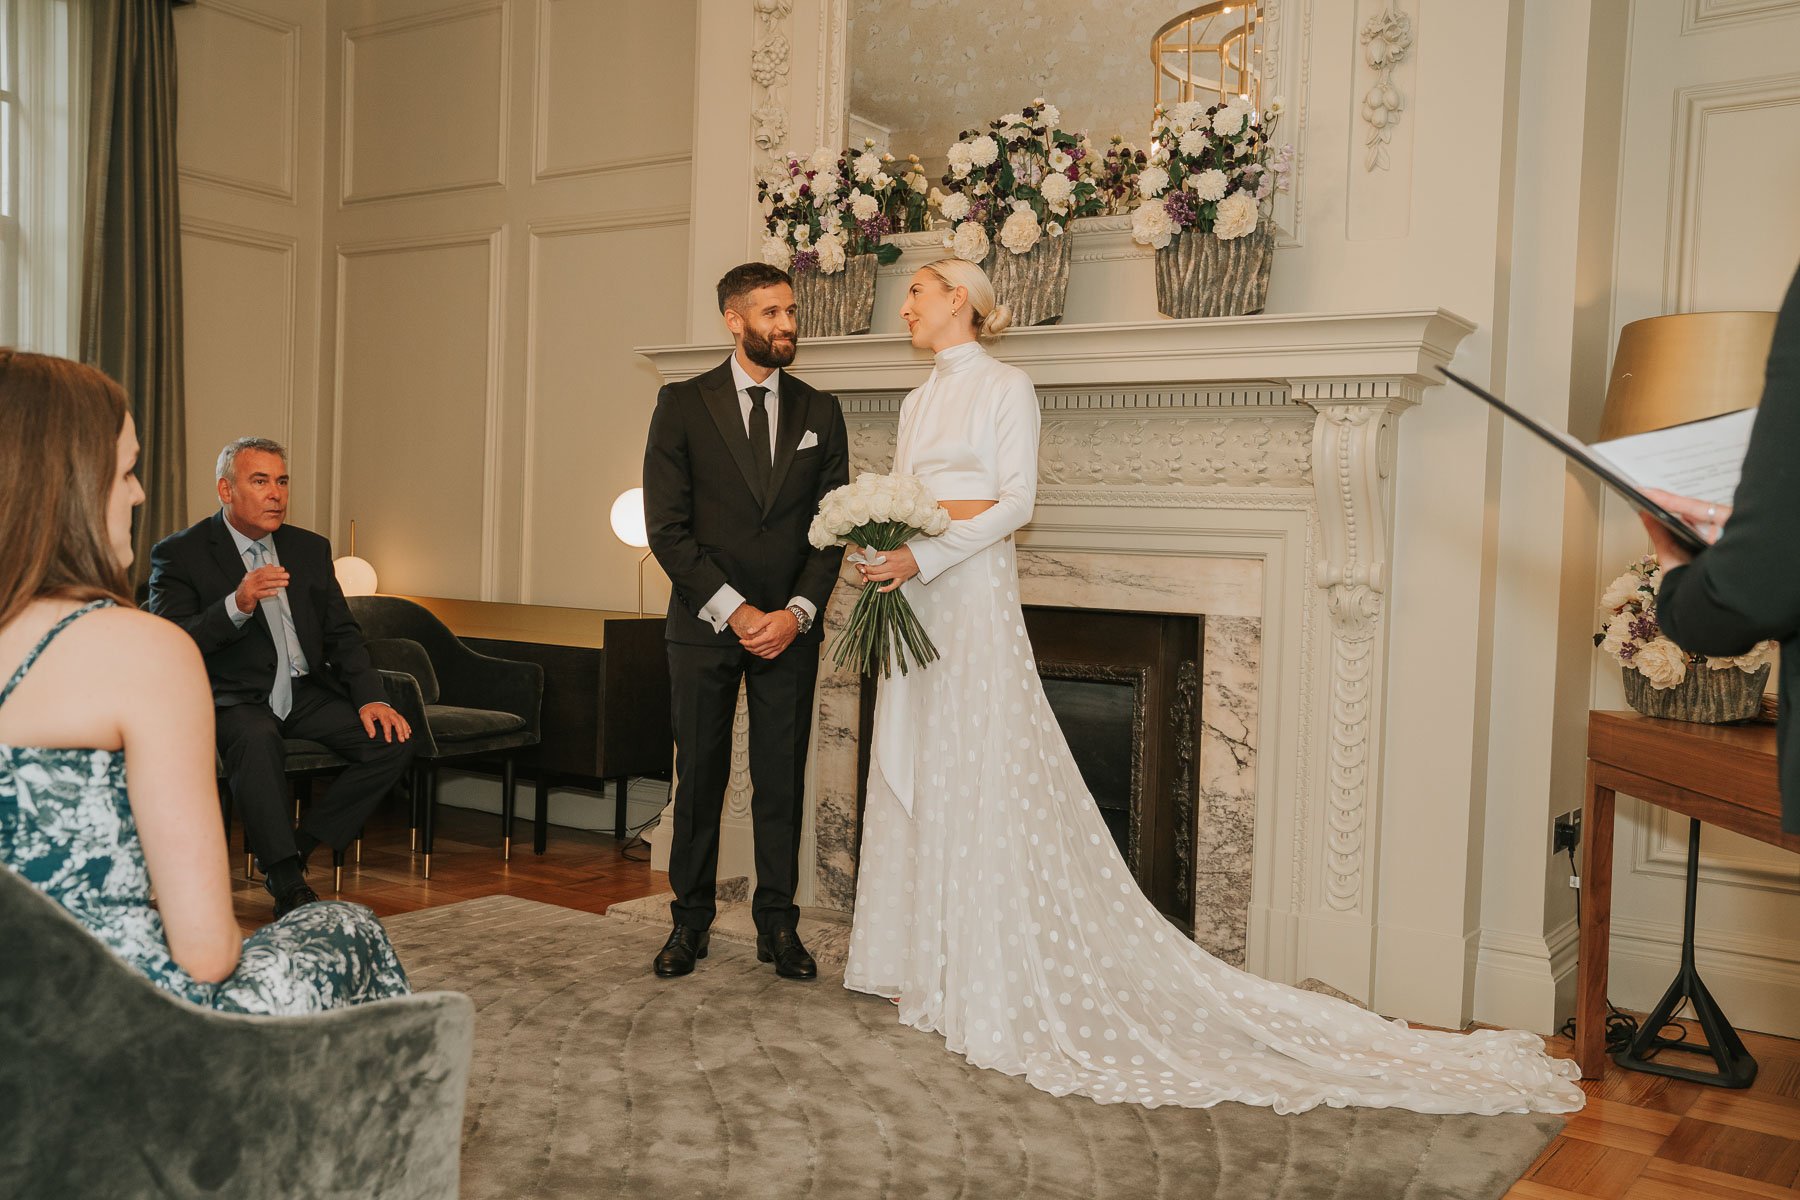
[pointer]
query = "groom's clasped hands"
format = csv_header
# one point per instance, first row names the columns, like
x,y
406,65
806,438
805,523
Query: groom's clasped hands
x,y
764,634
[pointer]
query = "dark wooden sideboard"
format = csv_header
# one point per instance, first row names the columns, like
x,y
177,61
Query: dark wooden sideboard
x,y
606,692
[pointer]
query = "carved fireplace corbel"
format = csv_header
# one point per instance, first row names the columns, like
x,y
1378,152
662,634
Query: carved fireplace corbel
x,y
1353,462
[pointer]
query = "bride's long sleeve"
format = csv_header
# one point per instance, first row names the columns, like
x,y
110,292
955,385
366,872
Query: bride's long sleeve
x,y
1016,419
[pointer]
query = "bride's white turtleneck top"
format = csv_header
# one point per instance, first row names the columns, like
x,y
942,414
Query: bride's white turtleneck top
x,y
970,431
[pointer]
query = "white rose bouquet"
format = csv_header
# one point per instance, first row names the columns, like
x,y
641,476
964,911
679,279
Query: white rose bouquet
x,y
1629,632
880,513
1211,168
1016,182
819,212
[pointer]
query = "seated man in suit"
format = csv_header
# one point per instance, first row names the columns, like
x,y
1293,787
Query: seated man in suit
x,y
286,660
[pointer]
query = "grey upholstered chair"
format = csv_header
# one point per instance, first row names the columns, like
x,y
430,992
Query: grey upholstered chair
x,y
476,707
112,1087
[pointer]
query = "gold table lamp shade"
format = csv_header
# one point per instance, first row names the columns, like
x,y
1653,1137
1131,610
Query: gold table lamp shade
x,y
1675,369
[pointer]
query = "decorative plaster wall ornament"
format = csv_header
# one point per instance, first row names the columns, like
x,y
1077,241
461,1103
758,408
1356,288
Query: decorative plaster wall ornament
x,y
770,58
1387,39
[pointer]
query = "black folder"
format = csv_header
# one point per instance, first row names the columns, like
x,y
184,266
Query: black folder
x,y
1680,530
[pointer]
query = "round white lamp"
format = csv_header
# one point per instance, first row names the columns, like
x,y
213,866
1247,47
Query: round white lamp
x,y
629,527
355,576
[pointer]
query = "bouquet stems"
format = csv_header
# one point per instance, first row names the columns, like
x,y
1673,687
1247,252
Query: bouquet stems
x,y
883,631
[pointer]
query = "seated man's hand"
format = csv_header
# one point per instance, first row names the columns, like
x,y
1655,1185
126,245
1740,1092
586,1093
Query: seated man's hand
x,y
381,716
258,586
773,634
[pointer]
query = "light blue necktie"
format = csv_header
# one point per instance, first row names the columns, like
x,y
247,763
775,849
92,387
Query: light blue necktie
x,y
281,692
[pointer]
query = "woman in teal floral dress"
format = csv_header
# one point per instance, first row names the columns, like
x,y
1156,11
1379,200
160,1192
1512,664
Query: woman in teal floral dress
x,y
96,693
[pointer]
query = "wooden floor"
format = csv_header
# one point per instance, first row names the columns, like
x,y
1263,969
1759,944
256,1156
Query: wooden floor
x,y
1641,1137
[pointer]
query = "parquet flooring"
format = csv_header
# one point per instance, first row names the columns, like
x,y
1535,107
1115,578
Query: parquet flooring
x,y
1642,1137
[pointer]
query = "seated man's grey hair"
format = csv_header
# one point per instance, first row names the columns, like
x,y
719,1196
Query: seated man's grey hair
x,y
227,468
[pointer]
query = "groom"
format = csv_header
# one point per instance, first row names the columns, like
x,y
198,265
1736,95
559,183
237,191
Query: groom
x,y
737,463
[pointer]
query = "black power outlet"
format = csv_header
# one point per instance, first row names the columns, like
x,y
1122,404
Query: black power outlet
x,y
1566,833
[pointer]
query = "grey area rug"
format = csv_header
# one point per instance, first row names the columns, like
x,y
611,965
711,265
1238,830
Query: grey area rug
x,y
592,1077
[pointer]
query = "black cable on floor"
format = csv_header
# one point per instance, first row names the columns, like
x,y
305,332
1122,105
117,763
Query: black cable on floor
x,y
1621,1027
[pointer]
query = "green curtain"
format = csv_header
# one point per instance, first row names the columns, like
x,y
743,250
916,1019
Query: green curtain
x,y
131,287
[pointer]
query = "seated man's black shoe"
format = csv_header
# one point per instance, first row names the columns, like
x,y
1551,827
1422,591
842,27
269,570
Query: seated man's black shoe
x,y
685,947
286,882
783,948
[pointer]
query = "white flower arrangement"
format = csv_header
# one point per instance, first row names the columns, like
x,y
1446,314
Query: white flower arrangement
x,y
1212,169
1631,635
822,210
1022,163
879,513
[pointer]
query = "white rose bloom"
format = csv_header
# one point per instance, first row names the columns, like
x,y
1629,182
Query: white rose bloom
x,y
857,510
970,242
1057,190
1209,184
918,183
1661,662
1152,182
1236,216
831,253
868,165
954,206
1759,656
1021,232
864,206
1616,633
983,151
777,253
1228,121
1059,159
939,523
1151,225
1620,590
1193,141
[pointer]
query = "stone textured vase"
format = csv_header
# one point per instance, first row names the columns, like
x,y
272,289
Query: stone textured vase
x,y
1197,275
834,305
1034,284
1706,696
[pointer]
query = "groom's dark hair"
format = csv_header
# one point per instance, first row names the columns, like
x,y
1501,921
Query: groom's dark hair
x,y
746,278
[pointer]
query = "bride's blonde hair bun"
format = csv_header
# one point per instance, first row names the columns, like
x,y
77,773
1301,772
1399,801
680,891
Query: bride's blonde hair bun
x,y
991,319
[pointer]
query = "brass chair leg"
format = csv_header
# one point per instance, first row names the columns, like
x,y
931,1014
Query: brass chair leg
x,y
506,848
428,866
337,877
250,866
359,852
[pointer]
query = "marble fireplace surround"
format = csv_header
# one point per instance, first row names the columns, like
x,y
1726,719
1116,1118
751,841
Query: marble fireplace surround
x,y
1239,468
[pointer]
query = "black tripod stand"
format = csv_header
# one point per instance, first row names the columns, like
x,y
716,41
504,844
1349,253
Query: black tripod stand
x,y
1735,1067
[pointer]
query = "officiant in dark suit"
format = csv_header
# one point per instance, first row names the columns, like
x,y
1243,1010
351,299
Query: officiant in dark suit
x,y
286,660
737,462
1745,588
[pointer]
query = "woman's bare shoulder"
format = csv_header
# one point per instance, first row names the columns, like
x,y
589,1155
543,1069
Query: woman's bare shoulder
x,y
134,638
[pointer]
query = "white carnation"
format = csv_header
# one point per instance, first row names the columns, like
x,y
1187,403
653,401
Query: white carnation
x,y
954,206
830,248
824,184
1008,120
777,253
1229,121
1050,116
959,156
1236,216
983,151
1152,182
864,206
1151,224
1193,141
1187,114
1209,184
1661,662
823,159
970,242
1057,189
1021,232
868,165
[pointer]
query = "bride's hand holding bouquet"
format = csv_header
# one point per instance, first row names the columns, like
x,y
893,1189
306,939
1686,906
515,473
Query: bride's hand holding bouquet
x,y
878,515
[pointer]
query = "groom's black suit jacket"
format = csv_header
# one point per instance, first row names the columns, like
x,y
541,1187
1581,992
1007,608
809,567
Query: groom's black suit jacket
x,y
707,525
192,572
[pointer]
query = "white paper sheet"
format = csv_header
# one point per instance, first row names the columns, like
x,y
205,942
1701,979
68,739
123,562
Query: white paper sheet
x,y
1702,459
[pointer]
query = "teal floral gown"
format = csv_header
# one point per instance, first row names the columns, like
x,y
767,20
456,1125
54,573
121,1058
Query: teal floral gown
x,y
66,828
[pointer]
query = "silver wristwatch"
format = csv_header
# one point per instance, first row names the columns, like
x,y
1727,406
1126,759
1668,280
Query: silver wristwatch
x,y
802,616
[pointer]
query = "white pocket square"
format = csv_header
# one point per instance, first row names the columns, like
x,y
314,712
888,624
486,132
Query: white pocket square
x,y
808,442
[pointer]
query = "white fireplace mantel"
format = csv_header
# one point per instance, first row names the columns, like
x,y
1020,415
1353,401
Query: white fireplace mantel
x,y
1227,450
1285,349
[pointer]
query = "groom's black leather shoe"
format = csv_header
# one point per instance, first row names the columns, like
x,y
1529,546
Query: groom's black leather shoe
x,y
685,947
783,948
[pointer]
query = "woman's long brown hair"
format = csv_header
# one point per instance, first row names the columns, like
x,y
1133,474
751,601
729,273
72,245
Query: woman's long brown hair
x,y
59,448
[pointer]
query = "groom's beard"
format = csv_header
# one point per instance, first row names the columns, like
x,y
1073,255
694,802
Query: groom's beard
x,y
771,352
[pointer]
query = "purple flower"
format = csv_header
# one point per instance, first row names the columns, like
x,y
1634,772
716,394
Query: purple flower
x,y
806,188
806,260
1180,206
1644,629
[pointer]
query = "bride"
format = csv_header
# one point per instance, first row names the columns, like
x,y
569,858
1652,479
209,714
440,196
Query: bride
x,y
993,906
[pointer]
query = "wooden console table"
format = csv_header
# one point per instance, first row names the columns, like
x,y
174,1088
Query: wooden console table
x,y
1724,775
606,691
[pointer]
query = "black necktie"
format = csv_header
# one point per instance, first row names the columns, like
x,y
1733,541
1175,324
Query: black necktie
x,y
759,438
